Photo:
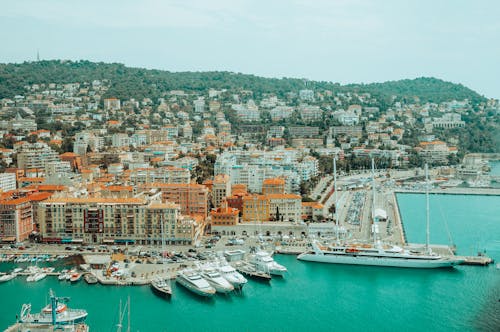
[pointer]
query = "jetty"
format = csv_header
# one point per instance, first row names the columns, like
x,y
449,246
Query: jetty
x,y
476,260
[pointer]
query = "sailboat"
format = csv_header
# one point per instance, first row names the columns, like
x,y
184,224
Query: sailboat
x,y
379,253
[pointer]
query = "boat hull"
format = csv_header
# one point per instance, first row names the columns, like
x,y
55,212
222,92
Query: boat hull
x,y
161,292
386,261
194,289
221,288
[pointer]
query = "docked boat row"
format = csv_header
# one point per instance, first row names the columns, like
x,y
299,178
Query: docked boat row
x,y
27,258
193,281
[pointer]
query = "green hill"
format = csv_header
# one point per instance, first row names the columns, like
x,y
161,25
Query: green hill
x,y
138,83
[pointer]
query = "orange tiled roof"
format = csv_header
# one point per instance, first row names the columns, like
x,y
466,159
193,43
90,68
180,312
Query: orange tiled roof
x,y
96,200
274,181
314,205
119,188
283,196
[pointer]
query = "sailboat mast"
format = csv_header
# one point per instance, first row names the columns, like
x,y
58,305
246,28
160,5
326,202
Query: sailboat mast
x,y
120,318
427,235
128,315
336,198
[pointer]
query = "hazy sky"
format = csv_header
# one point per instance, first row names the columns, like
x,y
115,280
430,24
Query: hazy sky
x,y
346,41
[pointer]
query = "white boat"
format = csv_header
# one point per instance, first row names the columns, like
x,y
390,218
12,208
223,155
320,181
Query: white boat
x,y
216,280
194,282
75,277
161,287
17,270
7,277
264,262
54,313
378,253
230,274
90,278
36,277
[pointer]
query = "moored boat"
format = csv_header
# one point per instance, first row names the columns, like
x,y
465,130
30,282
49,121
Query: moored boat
x,y
36,277
230,274
249,270
161,287
264,262
90,278
379,253
7,277
56,312
216,280
192,280
75,277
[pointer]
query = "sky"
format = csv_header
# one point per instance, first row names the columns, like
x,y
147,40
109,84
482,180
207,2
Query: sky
x,y
345,41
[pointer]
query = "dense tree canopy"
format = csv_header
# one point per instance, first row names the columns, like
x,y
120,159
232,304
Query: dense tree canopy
x,y
138,83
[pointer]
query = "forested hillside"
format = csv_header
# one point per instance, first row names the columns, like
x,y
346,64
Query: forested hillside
x,y
139,83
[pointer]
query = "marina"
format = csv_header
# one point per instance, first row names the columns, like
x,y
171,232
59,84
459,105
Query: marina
x,y
314,279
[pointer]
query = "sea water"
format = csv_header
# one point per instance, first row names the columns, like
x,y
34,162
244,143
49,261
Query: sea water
x,y
315,296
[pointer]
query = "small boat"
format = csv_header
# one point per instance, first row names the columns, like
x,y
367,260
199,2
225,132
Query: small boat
x,y
17,270
7,277
36,277
90,278
215,279
192,280
161,287
75,277
62,276
70,273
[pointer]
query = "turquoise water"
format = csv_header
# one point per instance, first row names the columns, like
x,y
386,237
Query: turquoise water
x,y
319,297
495,167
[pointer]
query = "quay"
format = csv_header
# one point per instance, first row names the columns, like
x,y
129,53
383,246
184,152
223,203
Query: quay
x,y
476,260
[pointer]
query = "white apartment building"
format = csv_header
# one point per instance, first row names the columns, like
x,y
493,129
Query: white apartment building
x,y
35,155
7,181
310,112
57,167
120,140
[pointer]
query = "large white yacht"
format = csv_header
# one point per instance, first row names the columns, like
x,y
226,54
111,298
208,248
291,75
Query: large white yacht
x,y
264,262
215,279
378,253
230,274
193,281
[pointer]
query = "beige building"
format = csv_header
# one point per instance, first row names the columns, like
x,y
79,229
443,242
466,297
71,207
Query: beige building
x,y
273,186
276,207
113,220
192,198
221,188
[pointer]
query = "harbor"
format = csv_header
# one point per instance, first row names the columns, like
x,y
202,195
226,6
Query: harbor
x,y
302,281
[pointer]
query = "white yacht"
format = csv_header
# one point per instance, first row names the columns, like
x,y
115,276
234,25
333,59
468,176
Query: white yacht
x,y
36,277
216,280
378,253
7,277
230,274
375,255
264,262
194,282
